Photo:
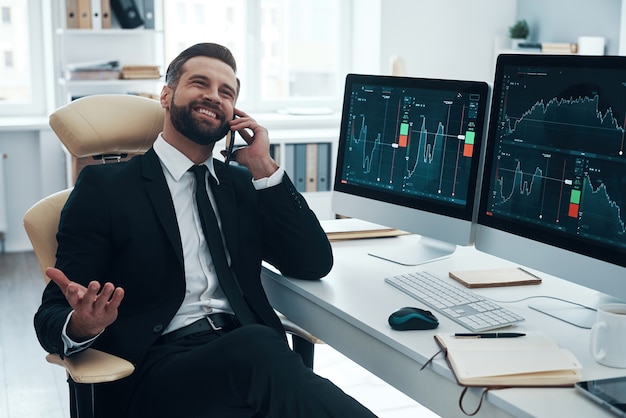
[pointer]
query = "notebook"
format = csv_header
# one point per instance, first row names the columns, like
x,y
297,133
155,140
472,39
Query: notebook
x,y
511,276
532,360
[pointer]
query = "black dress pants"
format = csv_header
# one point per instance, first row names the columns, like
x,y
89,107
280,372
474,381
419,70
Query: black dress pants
x,y
248,372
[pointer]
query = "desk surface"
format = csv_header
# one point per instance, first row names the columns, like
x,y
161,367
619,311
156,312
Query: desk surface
x,y
348,310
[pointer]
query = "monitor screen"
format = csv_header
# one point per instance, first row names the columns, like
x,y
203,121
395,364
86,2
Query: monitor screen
x,y
408,158
554,185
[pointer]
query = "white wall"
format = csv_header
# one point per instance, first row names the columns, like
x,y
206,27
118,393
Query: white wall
x,y
444,38
35,167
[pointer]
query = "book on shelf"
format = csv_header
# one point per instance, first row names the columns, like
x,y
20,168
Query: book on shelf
x,y
93,65
93,70
92,74
495,277
140,72
533,360
559,48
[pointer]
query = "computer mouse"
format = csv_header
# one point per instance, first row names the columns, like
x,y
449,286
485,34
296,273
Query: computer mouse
x,y
408,318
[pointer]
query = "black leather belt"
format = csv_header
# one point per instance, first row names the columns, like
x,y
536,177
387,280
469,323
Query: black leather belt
x,y
222,322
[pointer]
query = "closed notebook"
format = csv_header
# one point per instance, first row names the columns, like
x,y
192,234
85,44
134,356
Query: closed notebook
x,y
532,360
352,228
510,276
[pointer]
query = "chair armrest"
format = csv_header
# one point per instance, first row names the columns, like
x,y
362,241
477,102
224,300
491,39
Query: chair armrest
x,y
93,366
294,329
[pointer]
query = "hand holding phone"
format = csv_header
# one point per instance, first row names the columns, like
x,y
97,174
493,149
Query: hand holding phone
x,y
255,154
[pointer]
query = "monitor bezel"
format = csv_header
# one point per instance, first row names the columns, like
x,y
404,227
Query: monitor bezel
x,y
579,245
453,210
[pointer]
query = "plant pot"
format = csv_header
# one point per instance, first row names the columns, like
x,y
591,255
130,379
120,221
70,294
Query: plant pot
x,y
515,42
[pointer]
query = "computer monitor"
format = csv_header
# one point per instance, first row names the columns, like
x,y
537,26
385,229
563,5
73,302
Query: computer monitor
x,y
553,195
408,158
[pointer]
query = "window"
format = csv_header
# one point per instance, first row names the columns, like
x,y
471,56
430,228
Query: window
x,y
21,60
288,51
8,59
6,15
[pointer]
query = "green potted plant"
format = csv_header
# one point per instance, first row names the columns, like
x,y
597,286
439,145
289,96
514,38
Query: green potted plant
x,y
518,32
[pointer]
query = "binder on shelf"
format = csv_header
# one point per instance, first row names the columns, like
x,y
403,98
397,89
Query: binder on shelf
x,y
311,168
105,9
275,154
288,161
96,14
84,14
323,167
71,14
299,165
148,14
127,13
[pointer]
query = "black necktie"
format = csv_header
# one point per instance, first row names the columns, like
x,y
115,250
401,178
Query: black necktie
x,y
216,246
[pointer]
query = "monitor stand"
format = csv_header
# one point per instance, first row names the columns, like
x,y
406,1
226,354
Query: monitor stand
x,y
573,313
423,251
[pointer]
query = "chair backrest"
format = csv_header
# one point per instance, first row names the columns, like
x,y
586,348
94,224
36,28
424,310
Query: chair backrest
x,y
101,124
41,222
107,124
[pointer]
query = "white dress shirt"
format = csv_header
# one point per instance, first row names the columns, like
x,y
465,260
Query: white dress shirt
x,y
203,293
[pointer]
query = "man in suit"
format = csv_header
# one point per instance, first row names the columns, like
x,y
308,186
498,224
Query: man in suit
x,y
134,275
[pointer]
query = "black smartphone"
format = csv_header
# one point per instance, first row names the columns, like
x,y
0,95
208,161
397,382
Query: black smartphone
x,y
610,393
230,143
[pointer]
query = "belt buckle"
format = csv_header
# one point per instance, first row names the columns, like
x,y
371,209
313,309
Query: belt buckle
x,y
213,326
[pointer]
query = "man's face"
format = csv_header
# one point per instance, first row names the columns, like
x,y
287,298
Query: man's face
x,y
203,102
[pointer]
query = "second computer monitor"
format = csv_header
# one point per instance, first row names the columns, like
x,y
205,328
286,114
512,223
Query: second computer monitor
x,y
408,158
554,188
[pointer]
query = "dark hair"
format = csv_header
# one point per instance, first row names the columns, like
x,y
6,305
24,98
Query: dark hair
x,y
211,50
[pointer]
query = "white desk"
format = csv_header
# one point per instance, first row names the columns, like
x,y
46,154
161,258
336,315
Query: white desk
x,y
348,309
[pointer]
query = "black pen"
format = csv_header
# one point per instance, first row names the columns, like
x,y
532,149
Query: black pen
x,y
490,335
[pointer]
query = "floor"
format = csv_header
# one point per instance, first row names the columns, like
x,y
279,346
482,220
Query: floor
x,y
30,387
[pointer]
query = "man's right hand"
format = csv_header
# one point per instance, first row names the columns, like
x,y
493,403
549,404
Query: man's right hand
x,y
95,307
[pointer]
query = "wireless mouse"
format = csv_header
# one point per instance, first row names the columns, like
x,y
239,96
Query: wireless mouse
x,y
408,318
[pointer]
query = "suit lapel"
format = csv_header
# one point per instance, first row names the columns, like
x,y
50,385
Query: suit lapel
x,y
158,193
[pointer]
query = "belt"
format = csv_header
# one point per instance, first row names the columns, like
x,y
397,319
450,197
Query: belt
x,y
223,322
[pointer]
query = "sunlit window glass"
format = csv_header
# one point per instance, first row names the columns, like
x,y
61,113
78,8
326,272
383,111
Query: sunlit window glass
x,y
300,41
15,74
287,51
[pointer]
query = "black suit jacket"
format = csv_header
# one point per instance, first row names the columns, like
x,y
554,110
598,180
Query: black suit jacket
x,y
119,225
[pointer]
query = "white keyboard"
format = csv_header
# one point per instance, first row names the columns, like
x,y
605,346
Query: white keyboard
x,y
465,307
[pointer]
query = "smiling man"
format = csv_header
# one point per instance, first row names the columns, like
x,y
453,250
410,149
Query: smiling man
x,y
137,275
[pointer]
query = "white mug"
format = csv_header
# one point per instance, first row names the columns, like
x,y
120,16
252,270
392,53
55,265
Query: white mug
x,y
608,335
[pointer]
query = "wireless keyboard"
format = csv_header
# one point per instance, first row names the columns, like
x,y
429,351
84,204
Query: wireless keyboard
x,y
465,307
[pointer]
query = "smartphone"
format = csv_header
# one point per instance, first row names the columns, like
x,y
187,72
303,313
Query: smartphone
x,y
610,393
230,143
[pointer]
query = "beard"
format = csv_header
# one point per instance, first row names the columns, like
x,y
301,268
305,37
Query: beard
x,y
198,132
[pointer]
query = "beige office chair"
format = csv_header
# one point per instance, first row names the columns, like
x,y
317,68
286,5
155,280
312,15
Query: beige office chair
x,y
105,128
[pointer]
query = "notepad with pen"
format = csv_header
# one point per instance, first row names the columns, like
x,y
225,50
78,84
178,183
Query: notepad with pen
x,y
532,360
508,276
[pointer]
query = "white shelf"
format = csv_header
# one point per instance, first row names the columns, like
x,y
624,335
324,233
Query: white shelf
x,y
107,32
137,46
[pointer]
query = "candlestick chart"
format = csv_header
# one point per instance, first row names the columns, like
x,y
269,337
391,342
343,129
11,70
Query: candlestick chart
x,y
412,141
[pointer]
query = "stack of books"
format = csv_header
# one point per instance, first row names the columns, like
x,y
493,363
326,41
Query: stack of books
x,y
140,71
107,70
559,48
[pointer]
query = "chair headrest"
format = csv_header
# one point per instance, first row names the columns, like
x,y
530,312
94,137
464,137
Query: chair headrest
x,y
107,124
